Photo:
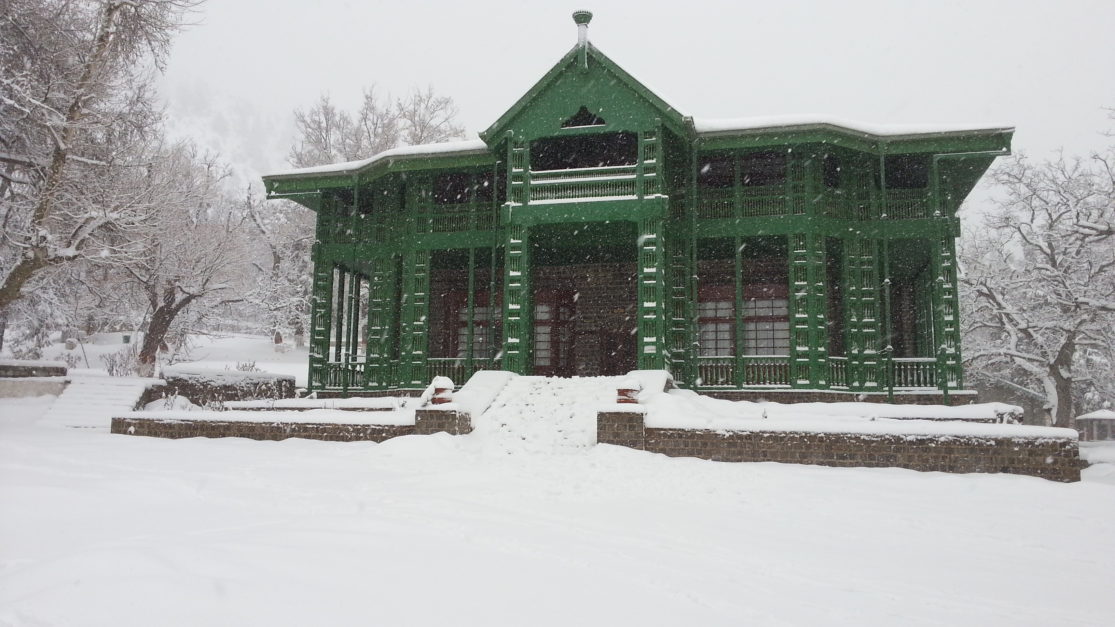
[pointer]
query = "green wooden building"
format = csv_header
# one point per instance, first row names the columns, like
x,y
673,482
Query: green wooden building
x,y
594,229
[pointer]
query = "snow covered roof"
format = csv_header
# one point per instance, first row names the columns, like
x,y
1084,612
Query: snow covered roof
x,y
710,126
348,167
1102,414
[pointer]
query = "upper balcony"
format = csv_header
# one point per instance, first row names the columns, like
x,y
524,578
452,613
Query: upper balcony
x,y
585,167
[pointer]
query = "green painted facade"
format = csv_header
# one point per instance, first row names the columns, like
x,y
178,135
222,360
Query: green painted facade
x,y
590,167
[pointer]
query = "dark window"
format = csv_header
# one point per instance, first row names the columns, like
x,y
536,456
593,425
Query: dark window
x,y
583,117
830,171
715,172
584,151
452,188
483,188
907,171
455,188
763,168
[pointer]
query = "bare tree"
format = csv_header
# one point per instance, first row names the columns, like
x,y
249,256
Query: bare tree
x,y
77,126
428,118
327,134
1040,283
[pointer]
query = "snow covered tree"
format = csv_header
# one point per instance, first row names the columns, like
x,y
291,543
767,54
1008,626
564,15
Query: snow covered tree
x,y
186,256
283,282
327,134
78,127
1039,284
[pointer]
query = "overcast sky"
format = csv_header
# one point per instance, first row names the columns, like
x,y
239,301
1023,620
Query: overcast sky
x,y
1044,67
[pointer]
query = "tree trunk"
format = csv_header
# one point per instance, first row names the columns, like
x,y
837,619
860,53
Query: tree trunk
x,y
156,333
155,337
20,275
1060,374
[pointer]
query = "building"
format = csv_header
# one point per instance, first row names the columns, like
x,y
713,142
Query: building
x,y
594,229
1097,425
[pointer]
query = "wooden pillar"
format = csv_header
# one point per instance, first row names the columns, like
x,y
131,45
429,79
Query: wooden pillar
x,y
381,295
518,315
808,331
862,294
415,312
946,315
339,309
470,307
321,315
652,297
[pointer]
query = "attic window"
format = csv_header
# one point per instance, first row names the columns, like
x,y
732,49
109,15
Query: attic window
x,y
583,117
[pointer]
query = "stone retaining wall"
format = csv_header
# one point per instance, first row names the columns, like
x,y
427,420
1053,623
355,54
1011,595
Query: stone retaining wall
x,y
1049,458
174,429
427,421
11,369
204,388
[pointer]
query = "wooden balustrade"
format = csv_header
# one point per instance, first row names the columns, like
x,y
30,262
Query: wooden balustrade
x,y
343,375
757,370
915,372
583,183
838,372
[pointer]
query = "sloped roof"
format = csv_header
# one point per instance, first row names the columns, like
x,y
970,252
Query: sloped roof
x,y
350,167
669,114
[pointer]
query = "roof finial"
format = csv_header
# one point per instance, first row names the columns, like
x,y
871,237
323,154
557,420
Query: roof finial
x,y
582,18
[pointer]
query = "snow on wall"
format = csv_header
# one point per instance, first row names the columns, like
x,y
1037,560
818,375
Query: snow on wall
x,y
684,409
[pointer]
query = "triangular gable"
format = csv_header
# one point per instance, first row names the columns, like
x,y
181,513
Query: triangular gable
x,y
570,68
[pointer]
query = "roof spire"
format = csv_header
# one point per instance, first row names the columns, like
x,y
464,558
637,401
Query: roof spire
x,y
582,18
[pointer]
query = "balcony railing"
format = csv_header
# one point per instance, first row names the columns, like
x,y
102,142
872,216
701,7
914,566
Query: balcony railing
x,y
462,217
456,368
838,372
583,183
757,370
904,204
343,375
748,202
914,372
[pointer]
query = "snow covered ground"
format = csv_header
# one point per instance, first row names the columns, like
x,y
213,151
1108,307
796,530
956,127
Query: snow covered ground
x,y
432,530
214,352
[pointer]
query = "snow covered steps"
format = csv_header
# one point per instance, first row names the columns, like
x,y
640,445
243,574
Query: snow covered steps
x,y
91,399
546,414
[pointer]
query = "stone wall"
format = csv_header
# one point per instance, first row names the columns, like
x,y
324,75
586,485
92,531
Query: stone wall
x,y
1054,459
175,429
214,388
12,369
453,422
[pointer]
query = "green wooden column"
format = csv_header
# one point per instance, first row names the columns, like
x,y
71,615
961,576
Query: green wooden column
x,y
415,323
808,331
646,168
681,288
321,314
950,372
651,346
862,302
381,292
518,315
